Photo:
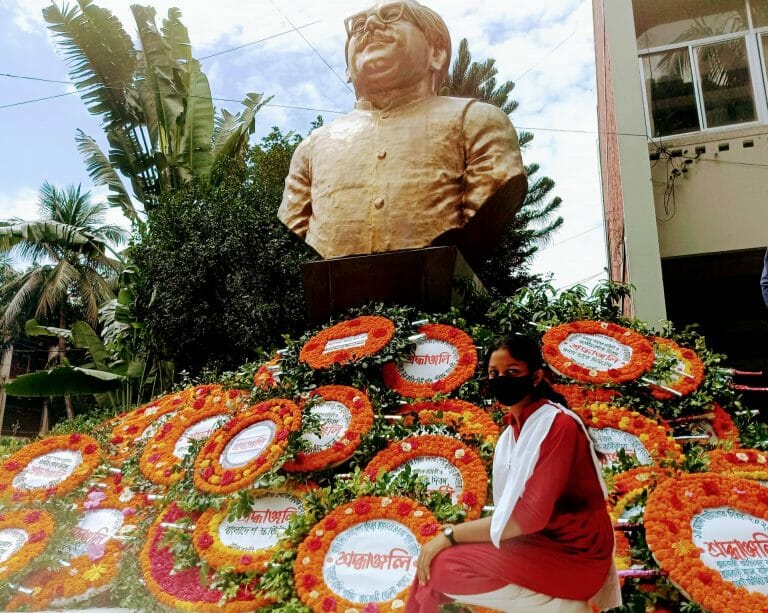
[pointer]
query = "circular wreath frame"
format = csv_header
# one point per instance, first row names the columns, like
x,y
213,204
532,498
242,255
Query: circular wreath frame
x,y
468,420
473,472
461,373
641,360
157,459
208,545
39,527
209,474
73,582
744,463
668,515
90,453
683,384
311,553
380,331
655,437
361,411
153,555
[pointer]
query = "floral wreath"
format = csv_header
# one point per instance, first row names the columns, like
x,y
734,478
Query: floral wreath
x,y
212,549
473,473
264,377
86,446
470,421
655,437
182,589
211,476
378,332
668,515
93,571
157,461
744,463
581,396
38,526
345,444
622,555
312,552
629,486
723,425
641,358
465,366
683,383
141,422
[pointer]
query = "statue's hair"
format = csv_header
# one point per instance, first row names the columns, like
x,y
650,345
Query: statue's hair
x,y
434,29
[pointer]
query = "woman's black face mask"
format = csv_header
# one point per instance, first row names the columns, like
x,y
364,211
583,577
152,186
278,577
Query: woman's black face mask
x,y
509,390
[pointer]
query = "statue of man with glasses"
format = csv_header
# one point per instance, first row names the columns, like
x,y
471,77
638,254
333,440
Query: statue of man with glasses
x,y
406,168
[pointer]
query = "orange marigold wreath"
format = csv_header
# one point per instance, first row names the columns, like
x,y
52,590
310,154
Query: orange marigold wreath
x,y
396,377
38,527
723,425
372,332
470,421
580,396
92,571
15,468
182,589
471,468
280,416
744,463
343,443
655,437
668,516
158,462
640,359
312,553
683,382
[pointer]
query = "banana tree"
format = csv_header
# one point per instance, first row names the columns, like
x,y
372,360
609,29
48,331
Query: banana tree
x,y
154,101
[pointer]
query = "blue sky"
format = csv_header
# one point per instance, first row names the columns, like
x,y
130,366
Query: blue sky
x,y
545,47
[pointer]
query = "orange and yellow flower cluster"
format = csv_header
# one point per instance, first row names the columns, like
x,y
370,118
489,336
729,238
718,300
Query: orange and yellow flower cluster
x,y
470,421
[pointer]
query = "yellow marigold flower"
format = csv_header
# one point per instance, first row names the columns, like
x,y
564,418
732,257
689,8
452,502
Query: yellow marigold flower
x,y
95,572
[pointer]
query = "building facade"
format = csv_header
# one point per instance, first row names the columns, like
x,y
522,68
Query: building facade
x,y
683,118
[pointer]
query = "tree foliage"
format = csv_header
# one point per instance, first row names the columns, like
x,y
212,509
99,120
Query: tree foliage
x,y
154,101
220,275
506,270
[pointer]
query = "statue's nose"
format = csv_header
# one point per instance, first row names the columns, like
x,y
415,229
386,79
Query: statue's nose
x,y
373,22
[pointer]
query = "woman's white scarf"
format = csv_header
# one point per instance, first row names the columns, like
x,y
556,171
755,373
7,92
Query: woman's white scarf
x,y
513,464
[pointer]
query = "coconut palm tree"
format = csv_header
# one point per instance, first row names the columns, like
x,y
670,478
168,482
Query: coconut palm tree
x,y
69,266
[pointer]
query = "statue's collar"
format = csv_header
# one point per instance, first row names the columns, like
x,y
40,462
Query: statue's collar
x,y
395,104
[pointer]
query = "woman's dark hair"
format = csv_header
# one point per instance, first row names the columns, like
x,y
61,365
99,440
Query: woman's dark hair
x,y
526,350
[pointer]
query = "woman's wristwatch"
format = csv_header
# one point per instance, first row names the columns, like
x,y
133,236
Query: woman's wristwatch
x,y
448,533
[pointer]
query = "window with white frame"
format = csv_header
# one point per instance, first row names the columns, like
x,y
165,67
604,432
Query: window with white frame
x,y
703,63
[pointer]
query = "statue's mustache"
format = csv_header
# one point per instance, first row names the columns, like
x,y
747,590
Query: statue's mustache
x,y
373,37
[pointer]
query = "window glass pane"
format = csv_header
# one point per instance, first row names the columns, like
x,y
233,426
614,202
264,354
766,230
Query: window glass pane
x,y
759,13
726,83
671,97
665,22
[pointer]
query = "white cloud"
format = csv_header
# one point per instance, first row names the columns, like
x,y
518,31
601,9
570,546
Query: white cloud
x,y
19,203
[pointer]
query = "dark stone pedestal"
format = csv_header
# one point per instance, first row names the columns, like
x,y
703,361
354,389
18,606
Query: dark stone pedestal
x,y
422,278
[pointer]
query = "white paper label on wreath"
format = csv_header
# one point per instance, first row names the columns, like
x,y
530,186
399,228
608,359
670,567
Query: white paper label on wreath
x,y
595,351
261,528
348,342
334,422
150,430
48,470
202,429
248,444
372,561
439,473
94,531
734,544
609,441
431,361
11,540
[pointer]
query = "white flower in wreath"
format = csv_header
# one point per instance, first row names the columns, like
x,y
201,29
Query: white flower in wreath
x,y
314,594
319,532
761,459
385,502
418,513
345,441
350,611
603,325
742,457
397,604
348,511
152,410
306,560
593,373
406,447
458,454
126,495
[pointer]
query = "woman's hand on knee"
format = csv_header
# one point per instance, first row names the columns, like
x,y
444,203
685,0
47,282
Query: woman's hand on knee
x,y
428,552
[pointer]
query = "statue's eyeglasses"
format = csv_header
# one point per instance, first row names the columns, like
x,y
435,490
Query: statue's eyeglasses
x,y
385,14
